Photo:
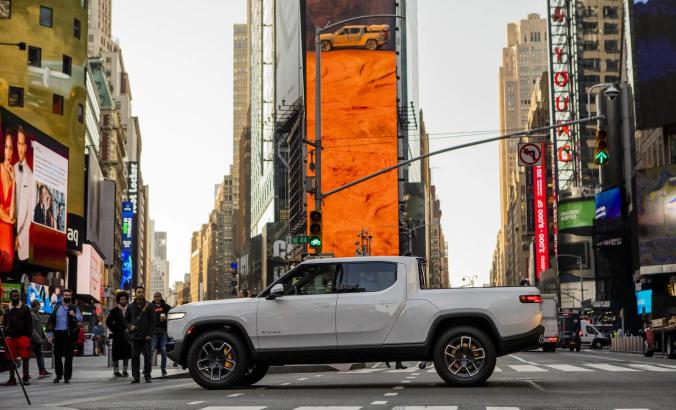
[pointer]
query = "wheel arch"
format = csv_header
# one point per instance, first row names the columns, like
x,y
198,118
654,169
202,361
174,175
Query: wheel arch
x,y
201,327
477,320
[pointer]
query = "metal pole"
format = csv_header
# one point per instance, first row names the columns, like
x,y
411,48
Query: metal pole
x,y
410,241
579,264
318,122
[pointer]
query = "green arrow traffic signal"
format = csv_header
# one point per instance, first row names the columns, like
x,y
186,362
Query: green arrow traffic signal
x,y
601,157
315,242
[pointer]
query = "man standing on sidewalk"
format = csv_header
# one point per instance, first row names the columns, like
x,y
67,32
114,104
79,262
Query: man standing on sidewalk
x,y
140,320
118,327
18,329
63,328
160,335
38,337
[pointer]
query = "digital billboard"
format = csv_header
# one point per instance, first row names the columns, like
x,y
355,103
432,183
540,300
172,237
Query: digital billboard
x,y
654,46
644,301
576,214
540,215
656,192
39,292
127,245
359,121
609,204
33,196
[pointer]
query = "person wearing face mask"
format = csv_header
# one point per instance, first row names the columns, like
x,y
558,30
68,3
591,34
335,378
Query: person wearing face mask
x,y
118,327
99,338
140,318
18,330
63,328
159,341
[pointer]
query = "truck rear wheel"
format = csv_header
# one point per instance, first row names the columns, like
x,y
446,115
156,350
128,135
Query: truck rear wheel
x,y
217,360
371,44
464,356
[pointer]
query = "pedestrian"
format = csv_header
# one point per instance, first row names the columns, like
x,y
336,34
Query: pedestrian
x,y
79,344
38,337
63,328
398,365
141,324
160,334
99,338
18,330
118,328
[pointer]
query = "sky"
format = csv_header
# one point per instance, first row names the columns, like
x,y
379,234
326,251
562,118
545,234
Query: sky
x,y
179,61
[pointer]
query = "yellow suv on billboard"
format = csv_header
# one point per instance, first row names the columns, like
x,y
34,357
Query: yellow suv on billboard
x,y
370,37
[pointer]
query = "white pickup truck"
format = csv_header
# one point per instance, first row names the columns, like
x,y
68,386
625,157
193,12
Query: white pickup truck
x,y
348,310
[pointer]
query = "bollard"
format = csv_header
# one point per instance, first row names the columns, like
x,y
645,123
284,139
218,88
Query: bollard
x,y
109,350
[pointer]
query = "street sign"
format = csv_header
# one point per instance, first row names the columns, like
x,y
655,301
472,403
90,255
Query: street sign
x,y
298,240
530,154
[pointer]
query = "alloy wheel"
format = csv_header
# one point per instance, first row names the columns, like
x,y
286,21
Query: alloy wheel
x,y
216,360
464,356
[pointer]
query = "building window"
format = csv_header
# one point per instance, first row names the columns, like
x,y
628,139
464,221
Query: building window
x,y
612,79
76,28
15,97
611,46
591,64
34,56
589,45
591,80
57,104
610,12
610,28
590,27
80,113
5,9
590,11
67,65
45,16
612,65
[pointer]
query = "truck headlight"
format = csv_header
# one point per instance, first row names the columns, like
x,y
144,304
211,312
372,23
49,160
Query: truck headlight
x,y
175,315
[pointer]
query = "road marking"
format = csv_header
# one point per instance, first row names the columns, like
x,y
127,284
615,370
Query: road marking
x,y
651,368
425,408
410,370
527,368
432,371
234,408
521,360
598,357
375,365
318,375
328,408
670,366
502,408
415,374
410,377
610,367
196,402
406,381
568,368
398,387
391,394
302,378
285,384
235,394
380,402
359,371
497,369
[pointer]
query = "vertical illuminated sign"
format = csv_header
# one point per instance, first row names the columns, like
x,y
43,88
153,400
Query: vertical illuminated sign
x,y
127,244
132,184
540,215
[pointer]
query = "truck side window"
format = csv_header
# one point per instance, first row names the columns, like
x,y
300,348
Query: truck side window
x,y
311,279
368,277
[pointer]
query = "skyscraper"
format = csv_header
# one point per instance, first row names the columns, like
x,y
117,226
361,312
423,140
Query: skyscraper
x,y
240,100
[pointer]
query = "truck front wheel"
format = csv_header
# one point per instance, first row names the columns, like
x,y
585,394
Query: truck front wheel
x,y
217,359
254,374
371,44
326,45
464,356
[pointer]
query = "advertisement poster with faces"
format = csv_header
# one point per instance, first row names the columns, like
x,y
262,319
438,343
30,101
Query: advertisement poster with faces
x,y
33,196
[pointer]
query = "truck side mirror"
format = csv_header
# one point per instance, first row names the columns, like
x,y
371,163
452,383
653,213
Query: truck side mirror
x,y
276,291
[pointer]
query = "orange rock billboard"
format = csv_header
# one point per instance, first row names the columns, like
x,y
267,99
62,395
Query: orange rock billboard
x,y
359,123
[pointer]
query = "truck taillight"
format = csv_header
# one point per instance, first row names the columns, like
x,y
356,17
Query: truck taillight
x,y
530,299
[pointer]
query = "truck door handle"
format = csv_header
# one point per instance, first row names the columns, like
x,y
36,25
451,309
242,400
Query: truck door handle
x,y
320,304
388,302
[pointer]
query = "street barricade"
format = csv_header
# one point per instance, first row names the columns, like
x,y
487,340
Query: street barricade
x,y
627,344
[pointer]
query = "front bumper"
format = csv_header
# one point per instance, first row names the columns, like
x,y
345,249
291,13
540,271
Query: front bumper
x,y
525,341
174,350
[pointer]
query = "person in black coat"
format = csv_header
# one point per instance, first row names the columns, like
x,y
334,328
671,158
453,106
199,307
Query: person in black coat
x,y
118,327
18,322
140,318
159,341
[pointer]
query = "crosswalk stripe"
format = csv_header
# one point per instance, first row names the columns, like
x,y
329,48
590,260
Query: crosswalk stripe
x,y
234,408
409,370
652,368
235,394
568,368
497,369
610,367
527,368
425,408
502,408
328,408
671,366
360,371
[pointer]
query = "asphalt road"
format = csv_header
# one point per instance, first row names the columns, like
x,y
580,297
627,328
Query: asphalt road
x,y
531,380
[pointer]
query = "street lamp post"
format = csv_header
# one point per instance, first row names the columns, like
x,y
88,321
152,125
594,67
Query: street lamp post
x,y
579,264
409,232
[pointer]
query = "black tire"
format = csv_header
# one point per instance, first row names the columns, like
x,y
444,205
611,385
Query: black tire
x,y
578,348
326,45
371,45
254,374
572,348
595,344
210,350
671,353
456,343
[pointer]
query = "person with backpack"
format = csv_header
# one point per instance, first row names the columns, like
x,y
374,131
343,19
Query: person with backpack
x,y
140,318
18,323
38,337
63,328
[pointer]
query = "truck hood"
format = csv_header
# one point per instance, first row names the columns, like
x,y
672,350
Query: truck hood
x,y
210,304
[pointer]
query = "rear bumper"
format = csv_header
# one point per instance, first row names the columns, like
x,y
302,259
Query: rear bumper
x,y
521,342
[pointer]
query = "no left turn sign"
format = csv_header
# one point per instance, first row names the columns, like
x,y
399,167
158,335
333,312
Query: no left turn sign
x,y
530,154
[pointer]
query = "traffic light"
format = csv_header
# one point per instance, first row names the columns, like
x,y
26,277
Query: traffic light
x,y
315,229
601,150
